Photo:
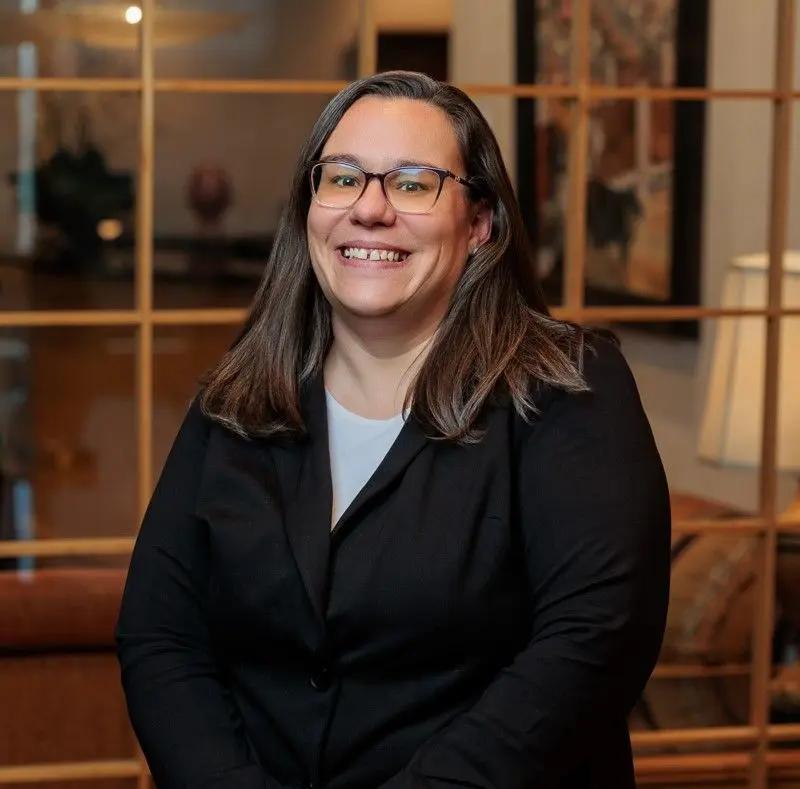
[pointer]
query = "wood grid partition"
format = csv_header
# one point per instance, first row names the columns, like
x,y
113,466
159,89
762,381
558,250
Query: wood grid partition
x,y
743,753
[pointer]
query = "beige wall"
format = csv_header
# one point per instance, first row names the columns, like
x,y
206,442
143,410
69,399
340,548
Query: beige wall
x,y
483,50
433,15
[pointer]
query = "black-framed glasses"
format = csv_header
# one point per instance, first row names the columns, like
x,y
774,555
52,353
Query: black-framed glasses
x,y
409,190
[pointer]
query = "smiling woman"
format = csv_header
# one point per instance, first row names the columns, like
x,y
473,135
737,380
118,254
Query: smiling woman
x,y
414,532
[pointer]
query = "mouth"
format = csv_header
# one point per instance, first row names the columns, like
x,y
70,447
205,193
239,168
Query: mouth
x,y
370,257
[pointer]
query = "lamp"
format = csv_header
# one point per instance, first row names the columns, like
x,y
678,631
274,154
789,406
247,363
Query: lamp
x,y
730,431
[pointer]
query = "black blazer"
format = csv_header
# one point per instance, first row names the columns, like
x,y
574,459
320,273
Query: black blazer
x,y
481,616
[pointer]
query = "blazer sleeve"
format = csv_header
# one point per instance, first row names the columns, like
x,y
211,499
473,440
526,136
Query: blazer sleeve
x,y
595,523
184,717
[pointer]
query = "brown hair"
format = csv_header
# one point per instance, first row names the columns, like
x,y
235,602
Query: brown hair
x,y
497,333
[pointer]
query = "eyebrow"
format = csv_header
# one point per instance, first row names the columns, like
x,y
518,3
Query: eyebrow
x,y
347,157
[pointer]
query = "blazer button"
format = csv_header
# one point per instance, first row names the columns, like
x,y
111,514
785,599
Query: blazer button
x,y
321,679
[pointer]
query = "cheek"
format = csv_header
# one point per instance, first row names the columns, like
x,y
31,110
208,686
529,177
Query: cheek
x,y
318,228
450,230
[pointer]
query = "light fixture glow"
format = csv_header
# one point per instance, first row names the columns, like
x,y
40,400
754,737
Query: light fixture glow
x,y
133,15
109,229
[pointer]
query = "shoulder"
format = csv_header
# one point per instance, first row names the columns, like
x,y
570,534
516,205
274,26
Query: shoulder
x,y
610,404
594,450
605,371
195,427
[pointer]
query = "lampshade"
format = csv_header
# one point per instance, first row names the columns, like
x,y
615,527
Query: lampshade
x,y
730,432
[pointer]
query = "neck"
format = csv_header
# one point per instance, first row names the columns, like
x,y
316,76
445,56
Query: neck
x,y
371,364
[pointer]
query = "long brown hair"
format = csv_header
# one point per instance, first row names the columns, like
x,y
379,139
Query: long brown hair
x,y
497,334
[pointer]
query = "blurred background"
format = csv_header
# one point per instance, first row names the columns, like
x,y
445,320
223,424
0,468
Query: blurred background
x,y
145,156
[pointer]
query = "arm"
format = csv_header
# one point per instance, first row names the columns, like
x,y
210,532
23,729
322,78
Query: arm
x,y
595,518
184,717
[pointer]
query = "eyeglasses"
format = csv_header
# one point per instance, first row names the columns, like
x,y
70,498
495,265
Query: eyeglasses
x,y
409,190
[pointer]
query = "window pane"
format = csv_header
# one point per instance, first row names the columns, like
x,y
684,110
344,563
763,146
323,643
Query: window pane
x,y
703,674
59,675
181,355
701,398
249,39
788,427
791,282
683,43
67,423
677,193
785,681
220,191
62,39
67,199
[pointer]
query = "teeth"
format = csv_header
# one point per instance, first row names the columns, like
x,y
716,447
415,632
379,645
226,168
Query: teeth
x,y
374,254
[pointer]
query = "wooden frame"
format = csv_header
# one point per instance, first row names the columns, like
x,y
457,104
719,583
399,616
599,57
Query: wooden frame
x,y
756,755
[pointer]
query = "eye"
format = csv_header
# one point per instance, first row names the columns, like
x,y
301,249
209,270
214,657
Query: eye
x,y
413,181
409,185
344,181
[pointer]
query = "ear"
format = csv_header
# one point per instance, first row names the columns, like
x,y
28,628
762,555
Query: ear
x,y
481,225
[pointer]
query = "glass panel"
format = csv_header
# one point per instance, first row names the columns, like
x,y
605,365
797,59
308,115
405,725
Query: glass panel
x,y
532,136
59,675
220,191
248,39
741,49
791,282
788,429
683,43
677,193
785,681
67,199
67,433
62,39
552,44
703,674
699,396
181,354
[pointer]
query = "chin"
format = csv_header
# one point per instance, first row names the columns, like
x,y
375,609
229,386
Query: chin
x,y
369,305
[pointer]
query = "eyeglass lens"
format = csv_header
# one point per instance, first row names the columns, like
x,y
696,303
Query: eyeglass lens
x,y
409,189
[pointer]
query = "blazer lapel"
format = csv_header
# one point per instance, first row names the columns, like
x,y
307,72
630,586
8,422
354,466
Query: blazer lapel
x,y
304,476
303,468
407,445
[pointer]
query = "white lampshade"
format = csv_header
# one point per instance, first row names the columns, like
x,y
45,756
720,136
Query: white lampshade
x,y
730,432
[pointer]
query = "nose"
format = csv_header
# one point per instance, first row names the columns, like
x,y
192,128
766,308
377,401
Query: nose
x,y
372,207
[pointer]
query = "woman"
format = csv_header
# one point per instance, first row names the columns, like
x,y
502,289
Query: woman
x,y
491,597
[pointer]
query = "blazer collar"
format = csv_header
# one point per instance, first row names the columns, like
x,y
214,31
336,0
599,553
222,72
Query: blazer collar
x,y
304,472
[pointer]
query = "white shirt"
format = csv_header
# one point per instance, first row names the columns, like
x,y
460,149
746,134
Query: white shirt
x,y
356,445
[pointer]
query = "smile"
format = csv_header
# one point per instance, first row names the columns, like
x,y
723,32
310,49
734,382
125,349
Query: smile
x,y
370,253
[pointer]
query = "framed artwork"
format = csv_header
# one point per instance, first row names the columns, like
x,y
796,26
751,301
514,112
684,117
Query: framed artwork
x,y
645,157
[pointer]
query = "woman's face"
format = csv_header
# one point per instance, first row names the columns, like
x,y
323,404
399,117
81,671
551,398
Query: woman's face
x,y
379,133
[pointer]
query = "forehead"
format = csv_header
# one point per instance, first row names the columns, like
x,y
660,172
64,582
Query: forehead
x,y
380,133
